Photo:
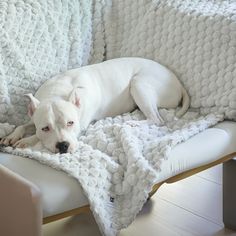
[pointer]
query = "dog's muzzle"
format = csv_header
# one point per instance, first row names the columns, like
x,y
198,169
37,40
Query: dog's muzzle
x,y
62,146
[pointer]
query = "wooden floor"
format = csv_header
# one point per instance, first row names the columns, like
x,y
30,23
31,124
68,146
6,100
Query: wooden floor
x,y
189,207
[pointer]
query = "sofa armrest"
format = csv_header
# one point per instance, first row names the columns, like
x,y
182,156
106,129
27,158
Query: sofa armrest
x,y
20,205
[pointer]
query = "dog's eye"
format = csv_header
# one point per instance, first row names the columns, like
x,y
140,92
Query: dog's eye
x,y
46,129
70,123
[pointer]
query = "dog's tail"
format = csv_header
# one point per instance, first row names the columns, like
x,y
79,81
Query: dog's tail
x,y
185,103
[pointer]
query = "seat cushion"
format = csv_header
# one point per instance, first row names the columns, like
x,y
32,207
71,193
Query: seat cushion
x,y
203,148
61,192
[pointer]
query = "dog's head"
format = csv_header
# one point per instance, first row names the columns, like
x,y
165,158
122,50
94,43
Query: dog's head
x,y
57,122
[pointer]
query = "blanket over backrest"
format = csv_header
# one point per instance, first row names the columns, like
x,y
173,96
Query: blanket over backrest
x,y
195,39
39,39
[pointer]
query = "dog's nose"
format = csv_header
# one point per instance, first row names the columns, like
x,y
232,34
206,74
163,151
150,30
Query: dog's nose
x,y
62,146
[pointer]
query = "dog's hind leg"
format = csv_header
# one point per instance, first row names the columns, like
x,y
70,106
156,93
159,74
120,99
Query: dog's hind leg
x,y
18,134
145,98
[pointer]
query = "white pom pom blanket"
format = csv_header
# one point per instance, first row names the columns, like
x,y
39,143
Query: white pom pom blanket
x,y
193,38
118,161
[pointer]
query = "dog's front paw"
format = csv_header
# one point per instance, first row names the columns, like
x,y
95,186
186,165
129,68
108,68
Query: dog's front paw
x,y
21,144
26,142
12,138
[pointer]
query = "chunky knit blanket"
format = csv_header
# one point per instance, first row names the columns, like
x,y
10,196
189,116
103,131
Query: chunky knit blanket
x,y
118,161
39,39
194,38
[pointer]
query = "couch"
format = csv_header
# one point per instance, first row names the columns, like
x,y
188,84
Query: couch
x,y
35,194
195,40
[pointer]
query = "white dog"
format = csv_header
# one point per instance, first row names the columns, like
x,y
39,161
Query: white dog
x,y
70,101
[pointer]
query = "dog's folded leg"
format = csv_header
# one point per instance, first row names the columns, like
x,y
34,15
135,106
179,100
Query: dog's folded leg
x,y
146,100
26,142
17,134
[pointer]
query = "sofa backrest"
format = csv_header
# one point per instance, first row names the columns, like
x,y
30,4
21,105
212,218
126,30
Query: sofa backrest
x,y
195,39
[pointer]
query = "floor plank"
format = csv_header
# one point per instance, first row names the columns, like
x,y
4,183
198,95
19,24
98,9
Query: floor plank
x,y
197,196
213,174
80,225
163,218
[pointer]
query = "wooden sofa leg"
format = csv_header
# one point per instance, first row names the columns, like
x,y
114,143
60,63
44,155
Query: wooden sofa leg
x,y
154,189
20,206
229,194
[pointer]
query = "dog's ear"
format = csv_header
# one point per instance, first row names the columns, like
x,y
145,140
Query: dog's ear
x,y
74,96
34,102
